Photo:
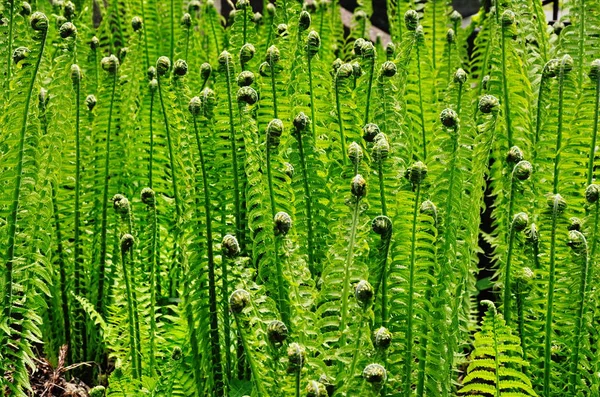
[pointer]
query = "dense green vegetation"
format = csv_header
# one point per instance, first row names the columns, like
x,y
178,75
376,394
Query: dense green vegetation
x,y
268,205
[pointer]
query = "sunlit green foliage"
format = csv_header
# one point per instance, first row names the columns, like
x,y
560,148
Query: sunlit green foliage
x,y
267,205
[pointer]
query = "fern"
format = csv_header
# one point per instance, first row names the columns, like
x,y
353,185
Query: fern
x,y
496,366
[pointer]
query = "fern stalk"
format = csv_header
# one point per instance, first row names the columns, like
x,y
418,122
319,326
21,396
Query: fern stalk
x,y
178,209
256,376
421,111
151,149
347,267
77,245
133,346
369,89
63,274
550,302
194,342
172,27
559,128
555,209
340,120
307,201
410,305
103,230
511,239
590,175
356,352
505,92
14,210
153,282
226,315
239,231
282,301
9,52
212,292
538,120
586,277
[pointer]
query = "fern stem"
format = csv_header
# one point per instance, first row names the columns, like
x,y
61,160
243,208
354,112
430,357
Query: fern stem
x,y
561,78
590,176
214,33
172,42
178,209
347,269
282,300
312,99
234,164
212,291
187,42
410,304
340,120
151,159
256,377
63,275
244,35
298,383
507,268
423,344
586,276
356,352
77,240
496,353
193,340
9,52
538,120
307,202
385,250
581,43
133,347
421,111
226,316
103,230
145,29
369,89
153,282
77,249
550,305
138,338
14,209
505,92
520,301
273,89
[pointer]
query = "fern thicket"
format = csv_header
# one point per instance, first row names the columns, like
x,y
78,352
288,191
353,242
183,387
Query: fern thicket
x,y
297,210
